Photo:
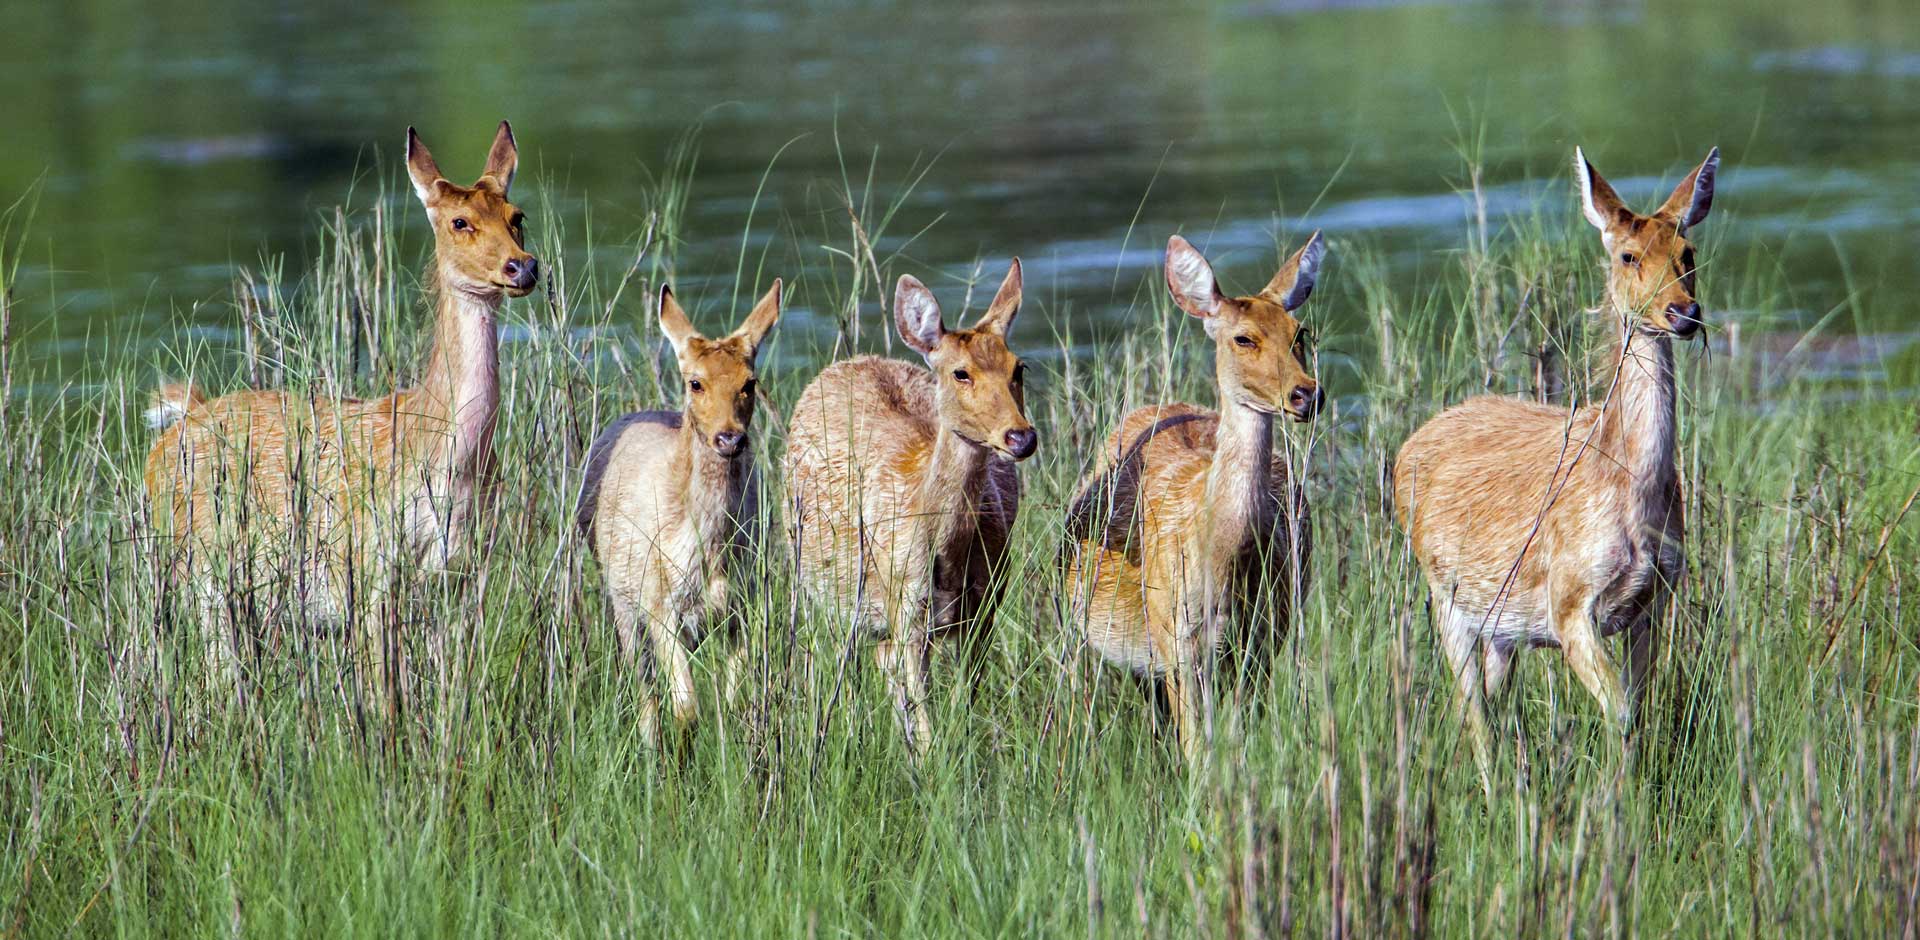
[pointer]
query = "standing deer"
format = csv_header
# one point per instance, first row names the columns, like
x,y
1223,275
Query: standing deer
x,y
1188,528
1541,527
670,506
322,498
904,488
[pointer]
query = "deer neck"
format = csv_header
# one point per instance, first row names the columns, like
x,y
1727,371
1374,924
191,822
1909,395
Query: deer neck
x,y
1239,493
1636,428
956,472
710,485
461,388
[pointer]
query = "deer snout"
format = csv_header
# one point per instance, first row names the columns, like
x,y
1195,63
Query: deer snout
x,y
1683,318
1305,401
1021,443
728,443
522,273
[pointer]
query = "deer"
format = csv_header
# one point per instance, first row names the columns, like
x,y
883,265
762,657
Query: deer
x,y
1539,526
1189,532
903,489
277,487
670,506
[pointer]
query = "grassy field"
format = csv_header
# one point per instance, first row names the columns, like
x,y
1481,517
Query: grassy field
x,y
503,788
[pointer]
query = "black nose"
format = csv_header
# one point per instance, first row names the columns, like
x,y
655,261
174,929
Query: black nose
x,y
728,442
522,273
1684,317
1021,443
1306,400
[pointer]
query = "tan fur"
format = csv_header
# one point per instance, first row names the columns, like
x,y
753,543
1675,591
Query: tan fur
x,y
1542,527
1180,537
296,493
671,506
903,487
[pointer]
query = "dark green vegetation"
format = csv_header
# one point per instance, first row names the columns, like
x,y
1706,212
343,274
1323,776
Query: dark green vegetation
x,y
501,787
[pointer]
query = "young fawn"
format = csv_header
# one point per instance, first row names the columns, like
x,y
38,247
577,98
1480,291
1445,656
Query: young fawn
x,y
904,488
671,503
1537,527
1187,526
268,488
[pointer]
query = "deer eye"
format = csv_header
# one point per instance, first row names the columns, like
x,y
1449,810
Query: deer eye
x,y
1302,339
963,376
461,225
1244,341
694,385
748,389
519,219
1020,374
1628,259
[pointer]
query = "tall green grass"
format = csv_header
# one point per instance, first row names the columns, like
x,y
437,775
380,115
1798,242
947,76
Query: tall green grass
x,y
505,788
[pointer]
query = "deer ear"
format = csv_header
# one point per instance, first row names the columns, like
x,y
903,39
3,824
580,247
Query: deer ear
x,y
421,169
917,315
1190,279
1294,282
674,322
1598,201
761,320
503,158
1006,304
1693,198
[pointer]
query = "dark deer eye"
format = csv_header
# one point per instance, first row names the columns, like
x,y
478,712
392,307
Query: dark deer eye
x,y
1020,374
1245,341
1628,259
461,225
748,389
963,376
694,385
1302,340
519,219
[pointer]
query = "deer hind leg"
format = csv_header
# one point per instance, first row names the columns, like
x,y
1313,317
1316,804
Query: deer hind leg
x,y
1580,641
1641,650
1461,642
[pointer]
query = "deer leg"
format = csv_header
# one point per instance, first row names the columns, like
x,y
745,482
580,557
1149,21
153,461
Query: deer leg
x,y
671,659
904,661
1189,697
1580,641
1640,653
1459,639
633,655
1496,664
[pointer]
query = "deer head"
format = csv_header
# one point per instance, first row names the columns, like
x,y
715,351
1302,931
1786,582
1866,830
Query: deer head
x,y
478,236
1650,267
981,395
1260,350
719,373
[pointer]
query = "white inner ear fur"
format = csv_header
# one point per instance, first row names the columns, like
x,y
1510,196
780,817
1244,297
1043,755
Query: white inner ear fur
x,y
1193,278
1584,180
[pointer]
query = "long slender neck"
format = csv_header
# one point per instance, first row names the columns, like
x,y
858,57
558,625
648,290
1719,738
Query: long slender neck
x,y
710,484
461,387
955,473
1636,427
1239,480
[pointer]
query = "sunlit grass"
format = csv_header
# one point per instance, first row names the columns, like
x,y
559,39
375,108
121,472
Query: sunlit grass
x,y
506,789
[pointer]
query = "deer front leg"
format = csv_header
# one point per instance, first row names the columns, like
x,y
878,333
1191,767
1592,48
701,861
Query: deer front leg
x,y
673,665
1460,641
633,656
903,658
1580,641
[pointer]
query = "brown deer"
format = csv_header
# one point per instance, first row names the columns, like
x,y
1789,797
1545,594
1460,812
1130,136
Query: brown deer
x,y
671,506
1537,526
903,487
1187,532
274,488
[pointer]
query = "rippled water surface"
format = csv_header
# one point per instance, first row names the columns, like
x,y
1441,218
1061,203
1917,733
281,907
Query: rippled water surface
x,y
169,143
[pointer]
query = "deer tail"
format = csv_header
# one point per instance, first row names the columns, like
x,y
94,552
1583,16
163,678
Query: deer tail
x,y
170,403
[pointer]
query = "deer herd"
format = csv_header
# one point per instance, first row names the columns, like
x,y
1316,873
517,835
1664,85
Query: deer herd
x,y
1535,525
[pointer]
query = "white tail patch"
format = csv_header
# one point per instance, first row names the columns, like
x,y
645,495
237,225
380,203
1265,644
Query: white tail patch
x,y
170,403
